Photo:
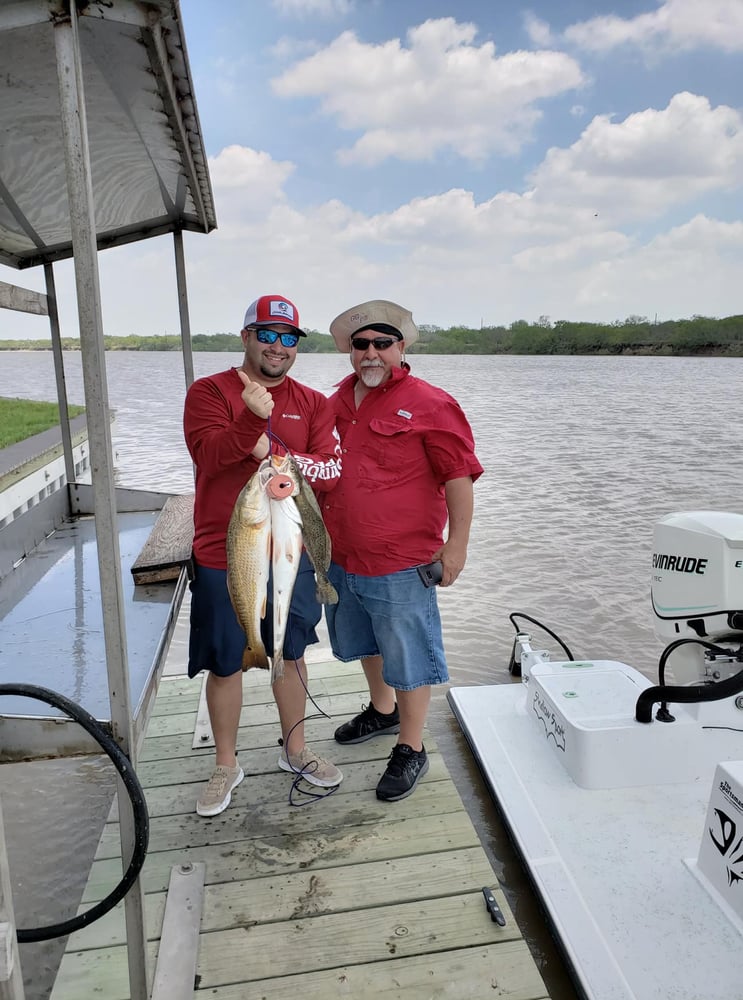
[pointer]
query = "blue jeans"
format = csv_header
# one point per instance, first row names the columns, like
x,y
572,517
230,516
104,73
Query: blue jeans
x,y
216,641
394,616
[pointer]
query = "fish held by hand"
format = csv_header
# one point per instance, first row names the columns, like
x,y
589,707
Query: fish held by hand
x,y
314,533
248,560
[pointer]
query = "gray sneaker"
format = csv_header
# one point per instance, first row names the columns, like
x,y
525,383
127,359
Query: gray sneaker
x,y
217,792
313,768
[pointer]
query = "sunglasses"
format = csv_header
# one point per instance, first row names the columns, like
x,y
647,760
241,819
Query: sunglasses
x,y
270,337
379,343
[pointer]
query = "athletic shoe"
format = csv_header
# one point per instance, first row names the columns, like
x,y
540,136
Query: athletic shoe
x,y
217,792
404,771
312,768
368,724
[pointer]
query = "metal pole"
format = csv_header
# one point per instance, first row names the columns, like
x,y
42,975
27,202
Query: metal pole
x,y
180,274
64,415
82,224
11,978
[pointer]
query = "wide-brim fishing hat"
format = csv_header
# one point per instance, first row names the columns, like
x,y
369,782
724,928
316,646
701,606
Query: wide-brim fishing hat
x,y
368,315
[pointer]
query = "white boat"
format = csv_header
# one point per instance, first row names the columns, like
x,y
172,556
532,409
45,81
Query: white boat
x,y
631,828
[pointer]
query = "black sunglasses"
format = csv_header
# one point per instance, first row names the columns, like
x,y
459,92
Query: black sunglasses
x,y
270,337
380,343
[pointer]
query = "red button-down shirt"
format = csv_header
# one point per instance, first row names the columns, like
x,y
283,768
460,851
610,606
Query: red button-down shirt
x,y
401,446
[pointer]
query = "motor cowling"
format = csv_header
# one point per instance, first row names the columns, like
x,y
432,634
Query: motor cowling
x,y
697,576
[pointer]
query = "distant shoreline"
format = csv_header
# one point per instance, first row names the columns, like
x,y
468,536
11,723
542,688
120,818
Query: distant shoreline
x,y
700,336
670,351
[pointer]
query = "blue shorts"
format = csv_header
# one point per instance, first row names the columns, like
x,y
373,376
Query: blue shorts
x,y
393,615
217,641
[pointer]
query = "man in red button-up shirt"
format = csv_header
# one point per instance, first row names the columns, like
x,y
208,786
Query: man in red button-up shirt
x,y
408,468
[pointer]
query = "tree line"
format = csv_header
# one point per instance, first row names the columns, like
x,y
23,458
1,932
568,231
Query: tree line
x,y
700,335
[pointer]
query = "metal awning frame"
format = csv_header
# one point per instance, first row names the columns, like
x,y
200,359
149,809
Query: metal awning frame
x,y
85,245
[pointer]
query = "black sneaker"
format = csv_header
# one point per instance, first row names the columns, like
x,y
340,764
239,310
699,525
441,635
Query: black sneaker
x,y
404,771
367,724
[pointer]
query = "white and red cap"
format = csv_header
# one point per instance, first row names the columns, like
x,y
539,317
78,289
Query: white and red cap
x,y
269,310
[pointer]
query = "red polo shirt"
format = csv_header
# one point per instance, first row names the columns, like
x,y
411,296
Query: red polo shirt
x,y
220,434
401,446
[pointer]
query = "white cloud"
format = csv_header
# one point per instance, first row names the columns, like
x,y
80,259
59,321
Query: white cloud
x,y
454,259
441,92
313,8
258,177
676,24
538,30
685,271
652,160
570,246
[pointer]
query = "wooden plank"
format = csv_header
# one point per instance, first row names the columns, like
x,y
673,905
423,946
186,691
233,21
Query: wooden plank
x,y
23,299
342,706
251,953
499,970
331,677
251,738
178,699
374,935
327,848
298,895
270,787
168,546
262,760
504,971
244,822
101,973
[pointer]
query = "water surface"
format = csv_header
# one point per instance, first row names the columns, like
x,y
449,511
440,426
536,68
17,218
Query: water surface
x,y
582,456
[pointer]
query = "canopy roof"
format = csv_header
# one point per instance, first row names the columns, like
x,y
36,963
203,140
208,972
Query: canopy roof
x,y
148,163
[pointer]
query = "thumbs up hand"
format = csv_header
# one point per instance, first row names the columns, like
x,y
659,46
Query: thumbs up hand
x,y
255,396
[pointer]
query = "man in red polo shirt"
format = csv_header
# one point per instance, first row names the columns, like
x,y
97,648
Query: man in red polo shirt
x,y
229,420
408,468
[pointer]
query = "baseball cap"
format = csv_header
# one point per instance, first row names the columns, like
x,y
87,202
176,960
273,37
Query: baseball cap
x,y
368,315
271,309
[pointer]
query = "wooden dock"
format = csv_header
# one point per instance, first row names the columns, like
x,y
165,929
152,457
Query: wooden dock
x,y
344,897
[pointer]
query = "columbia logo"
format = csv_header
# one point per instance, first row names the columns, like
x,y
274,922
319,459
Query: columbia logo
x,y
291,416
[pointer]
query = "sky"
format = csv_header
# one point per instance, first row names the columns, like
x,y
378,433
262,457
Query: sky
x,y
479,162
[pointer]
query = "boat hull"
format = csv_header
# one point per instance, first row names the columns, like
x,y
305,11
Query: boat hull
x,y
613,867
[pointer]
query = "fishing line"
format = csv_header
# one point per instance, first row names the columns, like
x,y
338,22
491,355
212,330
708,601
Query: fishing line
x,y
295,787
275,437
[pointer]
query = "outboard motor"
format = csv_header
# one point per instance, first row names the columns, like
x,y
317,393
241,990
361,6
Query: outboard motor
x,y
697,589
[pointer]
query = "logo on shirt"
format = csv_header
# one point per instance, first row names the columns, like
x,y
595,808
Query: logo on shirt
x,y
404,413
290,416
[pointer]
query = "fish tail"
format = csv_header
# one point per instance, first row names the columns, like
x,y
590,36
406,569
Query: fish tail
x,y
277,670
325,592
254,658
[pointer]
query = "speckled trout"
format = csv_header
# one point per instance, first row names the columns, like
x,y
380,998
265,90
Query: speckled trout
x,y
314,533
286,541
248,556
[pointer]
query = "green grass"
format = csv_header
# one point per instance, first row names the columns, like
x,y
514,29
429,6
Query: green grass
x,y
22,418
